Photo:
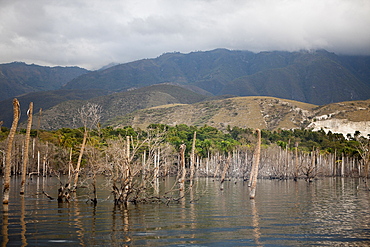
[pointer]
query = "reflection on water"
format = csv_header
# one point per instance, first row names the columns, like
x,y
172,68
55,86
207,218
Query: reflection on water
x,y
327,212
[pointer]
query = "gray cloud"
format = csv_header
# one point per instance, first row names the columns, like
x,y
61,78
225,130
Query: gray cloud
x,y
92,33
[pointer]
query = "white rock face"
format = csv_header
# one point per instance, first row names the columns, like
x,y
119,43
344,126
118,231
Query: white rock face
x,y
343,126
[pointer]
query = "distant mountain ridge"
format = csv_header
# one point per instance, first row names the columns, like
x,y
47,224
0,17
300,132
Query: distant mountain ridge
x,y
317,77
19,78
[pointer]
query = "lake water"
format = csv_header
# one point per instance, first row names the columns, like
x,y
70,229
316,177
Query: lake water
x,y
326,212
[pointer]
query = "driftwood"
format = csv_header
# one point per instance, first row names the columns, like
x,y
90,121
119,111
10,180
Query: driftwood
x,y
47,195
64,193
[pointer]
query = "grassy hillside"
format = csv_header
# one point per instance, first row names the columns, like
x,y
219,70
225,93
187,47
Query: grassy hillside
x,y
44,100
355,111
246,112
66,113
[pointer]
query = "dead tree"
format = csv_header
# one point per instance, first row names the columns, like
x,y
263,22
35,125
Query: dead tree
x,y
9,147
78,167
310,169
192,160
90,117
26,147
182,168
256,160
224,171
296,162
364,151
134,180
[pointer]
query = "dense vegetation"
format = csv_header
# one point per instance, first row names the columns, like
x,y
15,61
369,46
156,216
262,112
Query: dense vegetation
x,y
209,139
132,160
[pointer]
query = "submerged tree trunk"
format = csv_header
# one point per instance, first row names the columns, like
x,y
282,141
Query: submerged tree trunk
x,y
9,152
256,160
26,147
223,175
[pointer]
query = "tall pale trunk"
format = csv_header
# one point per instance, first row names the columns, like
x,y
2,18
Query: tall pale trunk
x,y
223,175
182,168
26,147
296,162
256,160
192,160
9,147
80,158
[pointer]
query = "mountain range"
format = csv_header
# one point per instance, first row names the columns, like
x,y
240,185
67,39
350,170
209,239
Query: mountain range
x,y
19,78
316,78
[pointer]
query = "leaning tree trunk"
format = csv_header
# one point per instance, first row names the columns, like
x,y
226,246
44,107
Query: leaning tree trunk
x,y
26,147
80,159
256,160
9,152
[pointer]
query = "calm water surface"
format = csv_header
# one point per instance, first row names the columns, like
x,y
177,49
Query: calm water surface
x,y
327,212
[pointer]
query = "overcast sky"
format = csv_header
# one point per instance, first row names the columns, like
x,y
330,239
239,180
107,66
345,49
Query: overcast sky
x,y
93,33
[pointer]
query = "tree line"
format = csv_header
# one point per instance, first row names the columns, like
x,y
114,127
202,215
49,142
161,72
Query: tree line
x,y
132,159
62,146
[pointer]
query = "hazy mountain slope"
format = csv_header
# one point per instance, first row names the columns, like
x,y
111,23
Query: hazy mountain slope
x,y
168,68
66,114
19,78
43,100
318,77
358,65
309,79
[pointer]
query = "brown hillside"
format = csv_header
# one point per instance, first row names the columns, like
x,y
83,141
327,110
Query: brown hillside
x,y
245,112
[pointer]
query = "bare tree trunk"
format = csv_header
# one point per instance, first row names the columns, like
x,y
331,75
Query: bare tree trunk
x,y
223,175
182,167
192,160
70,167
80,158
296,162
216,159
9,152
287,160
335,163
256,160
342,167
26,147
